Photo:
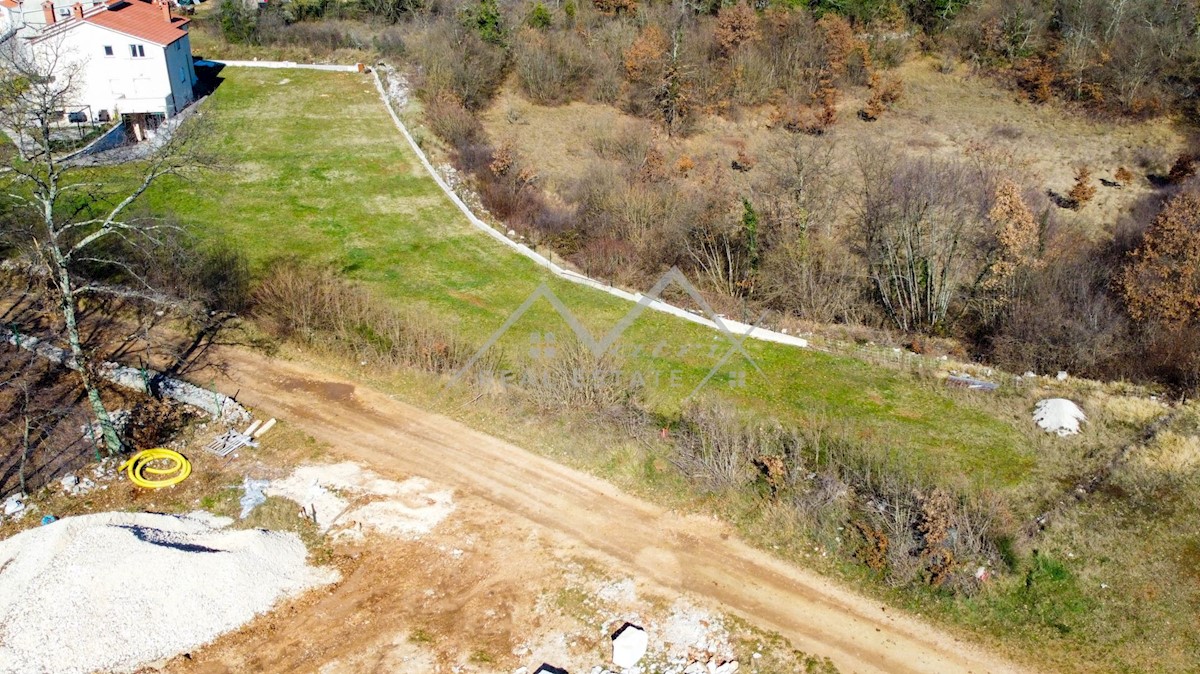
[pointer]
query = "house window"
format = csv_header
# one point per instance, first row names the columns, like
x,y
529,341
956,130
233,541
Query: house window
x,y
137,51
108,50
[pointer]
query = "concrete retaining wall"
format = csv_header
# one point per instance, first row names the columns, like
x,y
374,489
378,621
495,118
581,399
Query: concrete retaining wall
x,y
287,64
215,404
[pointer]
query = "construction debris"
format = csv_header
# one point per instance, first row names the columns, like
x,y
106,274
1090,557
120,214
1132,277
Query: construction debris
x,y
14,505
971,383
74,486
265,427
629,645
407,509
252,495
229,442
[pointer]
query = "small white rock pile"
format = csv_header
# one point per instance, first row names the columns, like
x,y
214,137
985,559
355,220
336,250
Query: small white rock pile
x,y
1059,416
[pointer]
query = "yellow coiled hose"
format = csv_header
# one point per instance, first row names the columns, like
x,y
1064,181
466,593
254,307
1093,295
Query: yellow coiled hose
x,y
139,467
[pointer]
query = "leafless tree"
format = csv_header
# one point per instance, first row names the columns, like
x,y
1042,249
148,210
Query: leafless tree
x,y
66,217
917,221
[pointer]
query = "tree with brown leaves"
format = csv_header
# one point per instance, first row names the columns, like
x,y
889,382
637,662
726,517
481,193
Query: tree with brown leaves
x,y
1161,281
1083,191
616,7
645,56
1016,234
1123,176
1183,168
884,94
736,25
828,95
839,41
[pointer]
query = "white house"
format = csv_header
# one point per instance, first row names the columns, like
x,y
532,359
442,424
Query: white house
x,y
134,57
29,17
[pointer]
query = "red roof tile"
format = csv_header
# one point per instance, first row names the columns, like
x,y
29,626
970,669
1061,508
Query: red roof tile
x,y
10,4
140,19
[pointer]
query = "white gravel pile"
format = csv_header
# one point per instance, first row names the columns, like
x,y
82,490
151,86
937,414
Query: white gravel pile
x,y
113,591
1058,415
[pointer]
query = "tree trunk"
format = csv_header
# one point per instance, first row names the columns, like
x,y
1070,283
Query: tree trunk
x,y
112,443
24,447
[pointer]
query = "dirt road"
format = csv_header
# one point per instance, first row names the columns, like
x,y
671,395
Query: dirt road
x,y
681,553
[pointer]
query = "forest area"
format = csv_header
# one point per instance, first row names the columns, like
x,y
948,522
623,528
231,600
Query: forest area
x,y
817,220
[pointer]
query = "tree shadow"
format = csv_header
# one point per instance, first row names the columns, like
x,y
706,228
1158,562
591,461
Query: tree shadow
x,y
1061,200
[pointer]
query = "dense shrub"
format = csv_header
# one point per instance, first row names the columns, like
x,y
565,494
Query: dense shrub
x,y
471,72
1063,318
869,506
318,308
1135,57
552,69
452,122
238,21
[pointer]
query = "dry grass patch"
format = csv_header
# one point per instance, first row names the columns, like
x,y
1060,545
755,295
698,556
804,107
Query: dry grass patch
x,y
953,115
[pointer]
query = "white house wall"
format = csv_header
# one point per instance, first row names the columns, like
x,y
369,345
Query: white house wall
x,y
121,83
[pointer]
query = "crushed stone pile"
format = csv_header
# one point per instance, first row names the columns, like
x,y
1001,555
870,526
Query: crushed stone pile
x,y
348,499
114,591
1058,415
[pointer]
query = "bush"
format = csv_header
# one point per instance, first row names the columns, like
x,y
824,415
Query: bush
x,y
539,17
485,20
222,277
391,11
318,308
472,72
238,21
552,69
452,122
1064,318
575,379
715,448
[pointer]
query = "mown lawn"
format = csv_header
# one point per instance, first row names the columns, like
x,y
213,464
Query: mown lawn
x,y
314,168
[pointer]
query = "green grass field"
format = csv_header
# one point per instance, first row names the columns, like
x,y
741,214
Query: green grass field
x,y
314,168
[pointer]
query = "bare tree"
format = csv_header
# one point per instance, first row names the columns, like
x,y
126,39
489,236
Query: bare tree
x,y
917,225
69,218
